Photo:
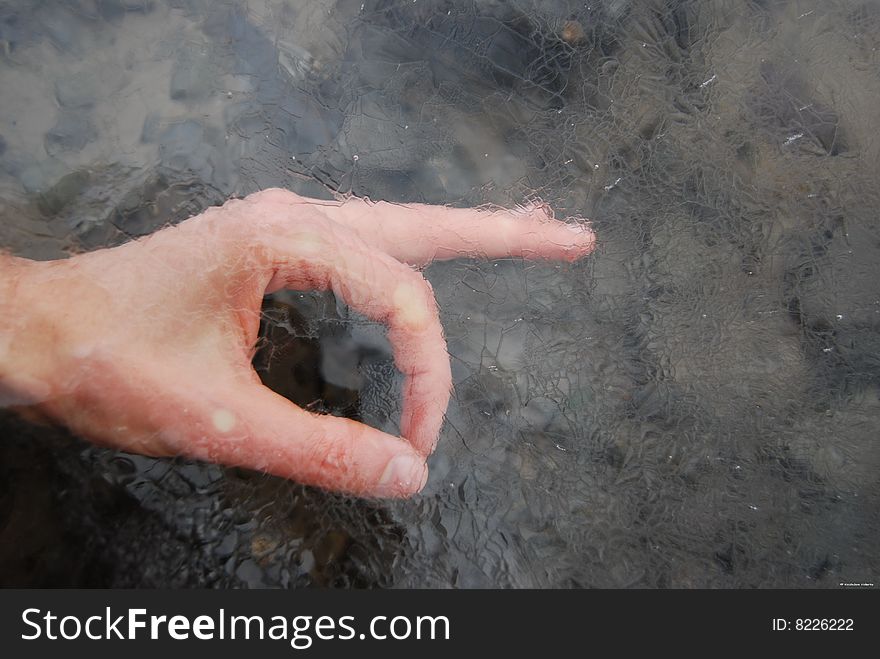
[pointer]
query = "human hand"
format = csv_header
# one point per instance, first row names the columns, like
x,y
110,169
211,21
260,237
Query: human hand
x,y
147,347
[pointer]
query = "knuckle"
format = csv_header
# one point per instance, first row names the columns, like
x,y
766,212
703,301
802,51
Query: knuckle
x,y
413,302
273,195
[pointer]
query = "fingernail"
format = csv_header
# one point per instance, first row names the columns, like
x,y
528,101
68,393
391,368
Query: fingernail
x,y
404,474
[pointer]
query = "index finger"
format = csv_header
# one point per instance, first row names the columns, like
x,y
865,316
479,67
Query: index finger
x,y
420,233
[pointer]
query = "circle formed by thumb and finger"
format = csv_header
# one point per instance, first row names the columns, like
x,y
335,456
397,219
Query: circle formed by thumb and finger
x,y
318,254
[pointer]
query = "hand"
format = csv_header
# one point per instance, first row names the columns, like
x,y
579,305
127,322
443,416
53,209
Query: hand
x,y
147,347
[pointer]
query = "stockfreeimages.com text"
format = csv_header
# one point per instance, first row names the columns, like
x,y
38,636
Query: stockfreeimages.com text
x,y
301,631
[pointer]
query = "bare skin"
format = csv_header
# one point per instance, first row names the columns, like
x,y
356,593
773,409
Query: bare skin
x,y
147,347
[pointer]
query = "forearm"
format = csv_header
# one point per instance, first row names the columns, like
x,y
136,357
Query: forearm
x,y
23,343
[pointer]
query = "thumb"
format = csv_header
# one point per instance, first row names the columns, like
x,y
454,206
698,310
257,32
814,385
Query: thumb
x,y
258,429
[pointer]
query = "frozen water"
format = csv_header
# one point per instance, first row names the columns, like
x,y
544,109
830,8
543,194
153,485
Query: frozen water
x,y
695,405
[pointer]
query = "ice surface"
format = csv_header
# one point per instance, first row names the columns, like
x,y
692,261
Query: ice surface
x,y
694,405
